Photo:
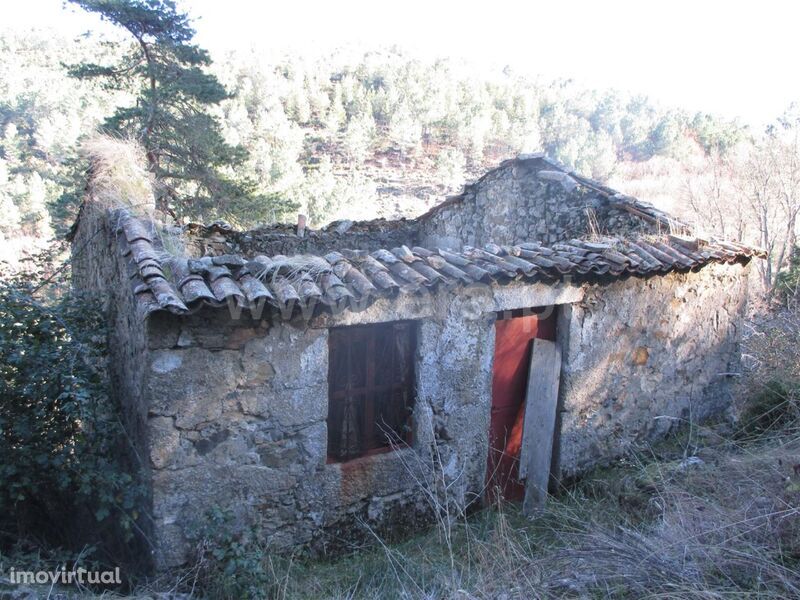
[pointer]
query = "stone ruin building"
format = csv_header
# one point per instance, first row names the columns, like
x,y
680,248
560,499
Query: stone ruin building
x,y
319,382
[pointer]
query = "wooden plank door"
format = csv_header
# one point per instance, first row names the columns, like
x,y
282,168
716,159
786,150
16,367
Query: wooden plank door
x,y
512,353
541,402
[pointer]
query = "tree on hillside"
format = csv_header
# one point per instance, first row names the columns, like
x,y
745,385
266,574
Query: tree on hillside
x,y
185,148
770,184
715,201
42,114
753,193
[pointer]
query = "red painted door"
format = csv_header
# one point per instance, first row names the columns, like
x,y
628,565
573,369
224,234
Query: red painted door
x,y
512,355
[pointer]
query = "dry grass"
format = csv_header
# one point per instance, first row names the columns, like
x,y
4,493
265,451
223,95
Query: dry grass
x,y
120,179
654,526
119,174
724,527
295,268
725,524
718,525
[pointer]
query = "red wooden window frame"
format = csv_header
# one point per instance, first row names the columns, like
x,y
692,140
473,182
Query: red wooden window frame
x,y
370,388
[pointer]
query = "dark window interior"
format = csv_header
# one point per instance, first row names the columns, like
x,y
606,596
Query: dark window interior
x,y
370,388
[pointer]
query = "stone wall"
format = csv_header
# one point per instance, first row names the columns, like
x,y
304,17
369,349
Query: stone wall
x,y
238,413
524,200
284,240
238,408
99,269
231,412
645,355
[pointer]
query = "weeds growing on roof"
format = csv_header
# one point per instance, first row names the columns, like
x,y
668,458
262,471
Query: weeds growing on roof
x,y
119,174
120,179
294,268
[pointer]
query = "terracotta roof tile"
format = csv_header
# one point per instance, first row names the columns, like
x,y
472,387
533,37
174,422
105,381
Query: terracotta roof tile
x,y
179,285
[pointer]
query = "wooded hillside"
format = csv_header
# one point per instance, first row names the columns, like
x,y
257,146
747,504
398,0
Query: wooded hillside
x,y
382,134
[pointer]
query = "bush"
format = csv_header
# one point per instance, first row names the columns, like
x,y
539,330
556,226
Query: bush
x,y
769,401
787,284
65,480
773,408
233,562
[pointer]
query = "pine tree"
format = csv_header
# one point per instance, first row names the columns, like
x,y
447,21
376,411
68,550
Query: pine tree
x,y
185,146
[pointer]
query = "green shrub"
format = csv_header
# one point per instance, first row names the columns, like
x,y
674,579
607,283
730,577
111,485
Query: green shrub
x,y
772,409
769,398
787,284
234,562
66,478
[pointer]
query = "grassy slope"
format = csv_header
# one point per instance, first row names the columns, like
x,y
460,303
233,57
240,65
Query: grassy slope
x,y
707,514
653,525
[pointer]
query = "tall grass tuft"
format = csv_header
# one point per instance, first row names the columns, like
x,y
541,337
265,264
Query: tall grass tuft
x,y
119,178
119,174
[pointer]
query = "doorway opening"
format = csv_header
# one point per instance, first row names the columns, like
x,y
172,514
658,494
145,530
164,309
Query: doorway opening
x,y
515,332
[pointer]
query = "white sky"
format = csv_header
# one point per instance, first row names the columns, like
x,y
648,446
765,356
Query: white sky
x,y
737,59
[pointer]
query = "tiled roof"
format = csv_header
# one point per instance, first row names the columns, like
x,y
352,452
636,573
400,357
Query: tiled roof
x,y
354,278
